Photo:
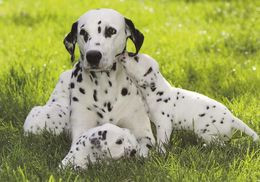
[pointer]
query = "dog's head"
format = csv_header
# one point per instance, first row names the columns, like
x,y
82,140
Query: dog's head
x,y
142,68
101,36
114,142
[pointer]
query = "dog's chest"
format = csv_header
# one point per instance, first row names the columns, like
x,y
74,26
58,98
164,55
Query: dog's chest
x,y
102,92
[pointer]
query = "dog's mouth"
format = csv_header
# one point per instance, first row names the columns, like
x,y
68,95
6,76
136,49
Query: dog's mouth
x,y
98,69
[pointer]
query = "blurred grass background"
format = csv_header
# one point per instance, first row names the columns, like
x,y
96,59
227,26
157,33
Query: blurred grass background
x,y
212,47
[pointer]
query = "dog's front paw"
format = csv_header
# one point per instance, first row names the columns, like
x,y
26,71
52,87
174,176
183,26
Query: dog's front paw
x,y
32,124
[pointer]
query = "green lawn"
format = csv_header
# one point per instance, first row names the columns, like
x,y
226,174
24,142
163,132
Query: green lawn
x,y
211,47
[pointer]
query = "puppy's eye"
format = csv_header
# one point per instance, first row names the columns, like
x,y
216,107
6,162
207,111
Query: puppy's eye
x,y
84,33
119,141
109,31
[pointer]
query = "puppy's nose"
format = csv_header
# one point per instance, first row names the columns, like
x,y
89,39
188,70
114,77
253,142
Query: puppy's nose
x,y
93,58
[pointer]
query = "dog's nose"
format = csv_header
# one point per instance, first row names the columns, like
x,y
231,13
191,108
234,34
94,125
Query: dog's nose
x,y
93,58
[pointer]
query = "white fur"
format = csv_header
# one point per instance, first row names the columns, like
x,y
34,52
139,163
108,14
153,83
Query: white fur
x,y
102,142
176,108
54,116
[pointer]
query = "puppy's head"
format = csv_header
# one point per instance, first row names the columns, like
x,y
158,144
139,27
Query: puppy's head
x,y
142,68
115,142
101,36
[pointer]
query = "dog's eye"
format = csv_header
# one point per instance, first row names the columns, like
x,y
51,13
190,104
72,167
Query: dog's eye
x,y
84,33
119,141
109,31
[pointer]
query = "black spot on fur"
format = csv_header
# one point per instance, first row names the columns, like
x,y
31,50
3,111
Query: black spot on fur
x,y
213,121
99,22
153,87
207,107
132,153
75,99
159,93
201,115
109,108
109,31
124,91
72,85
82,90
104,135
109,82
99,114
148,146
99,29
93,74
114,67
119,141
148,71
79,79
95,95
76,70
136,59
158,100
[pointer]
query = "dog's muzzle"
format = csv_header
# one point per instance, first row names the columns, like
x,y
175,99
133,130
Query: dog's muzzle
x,y
93,58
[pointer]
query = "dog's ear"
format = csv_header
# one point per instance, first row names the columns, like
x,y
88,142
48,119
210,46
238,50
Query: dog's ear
x,y
135,35
71,39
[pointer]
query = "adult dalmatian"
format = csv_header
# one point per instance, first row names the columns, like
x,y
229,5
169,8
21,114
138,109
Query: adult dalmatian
x,y
100,90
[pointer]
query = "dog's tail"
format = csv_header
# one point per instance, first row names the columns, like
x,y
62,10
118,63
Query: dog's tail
x,y
240,125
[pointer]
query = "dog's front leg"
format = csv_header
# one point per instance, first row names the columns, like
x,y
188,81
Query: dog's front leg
x,y
139,124
163,131
81,120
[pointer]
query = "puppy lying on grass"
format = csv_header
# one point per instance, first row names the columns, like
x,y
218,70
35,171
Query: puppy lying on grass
x,y
99,143
174,108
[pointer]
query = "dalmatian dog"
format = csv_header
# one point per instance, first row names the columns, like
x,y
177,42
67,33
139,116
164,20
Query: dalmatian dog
x,y
103,142
176,108
54,116
100,90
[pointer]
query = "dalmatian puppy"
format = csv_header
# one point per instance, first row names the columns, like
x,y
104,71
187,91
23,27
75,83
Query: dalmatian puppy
x,y
107,141
100,90
54,116
176,108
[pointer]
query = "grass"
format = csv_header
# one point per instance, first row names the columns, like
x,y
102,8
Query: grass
x,y
212,47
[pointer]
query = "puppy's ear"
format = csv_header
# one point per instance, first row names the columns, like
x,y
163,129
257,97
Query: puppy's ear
x,y
135,35
71,39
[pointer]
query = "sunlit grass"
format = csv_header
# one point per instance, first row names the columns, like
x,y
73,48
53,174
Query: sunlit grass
x,y
212,47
